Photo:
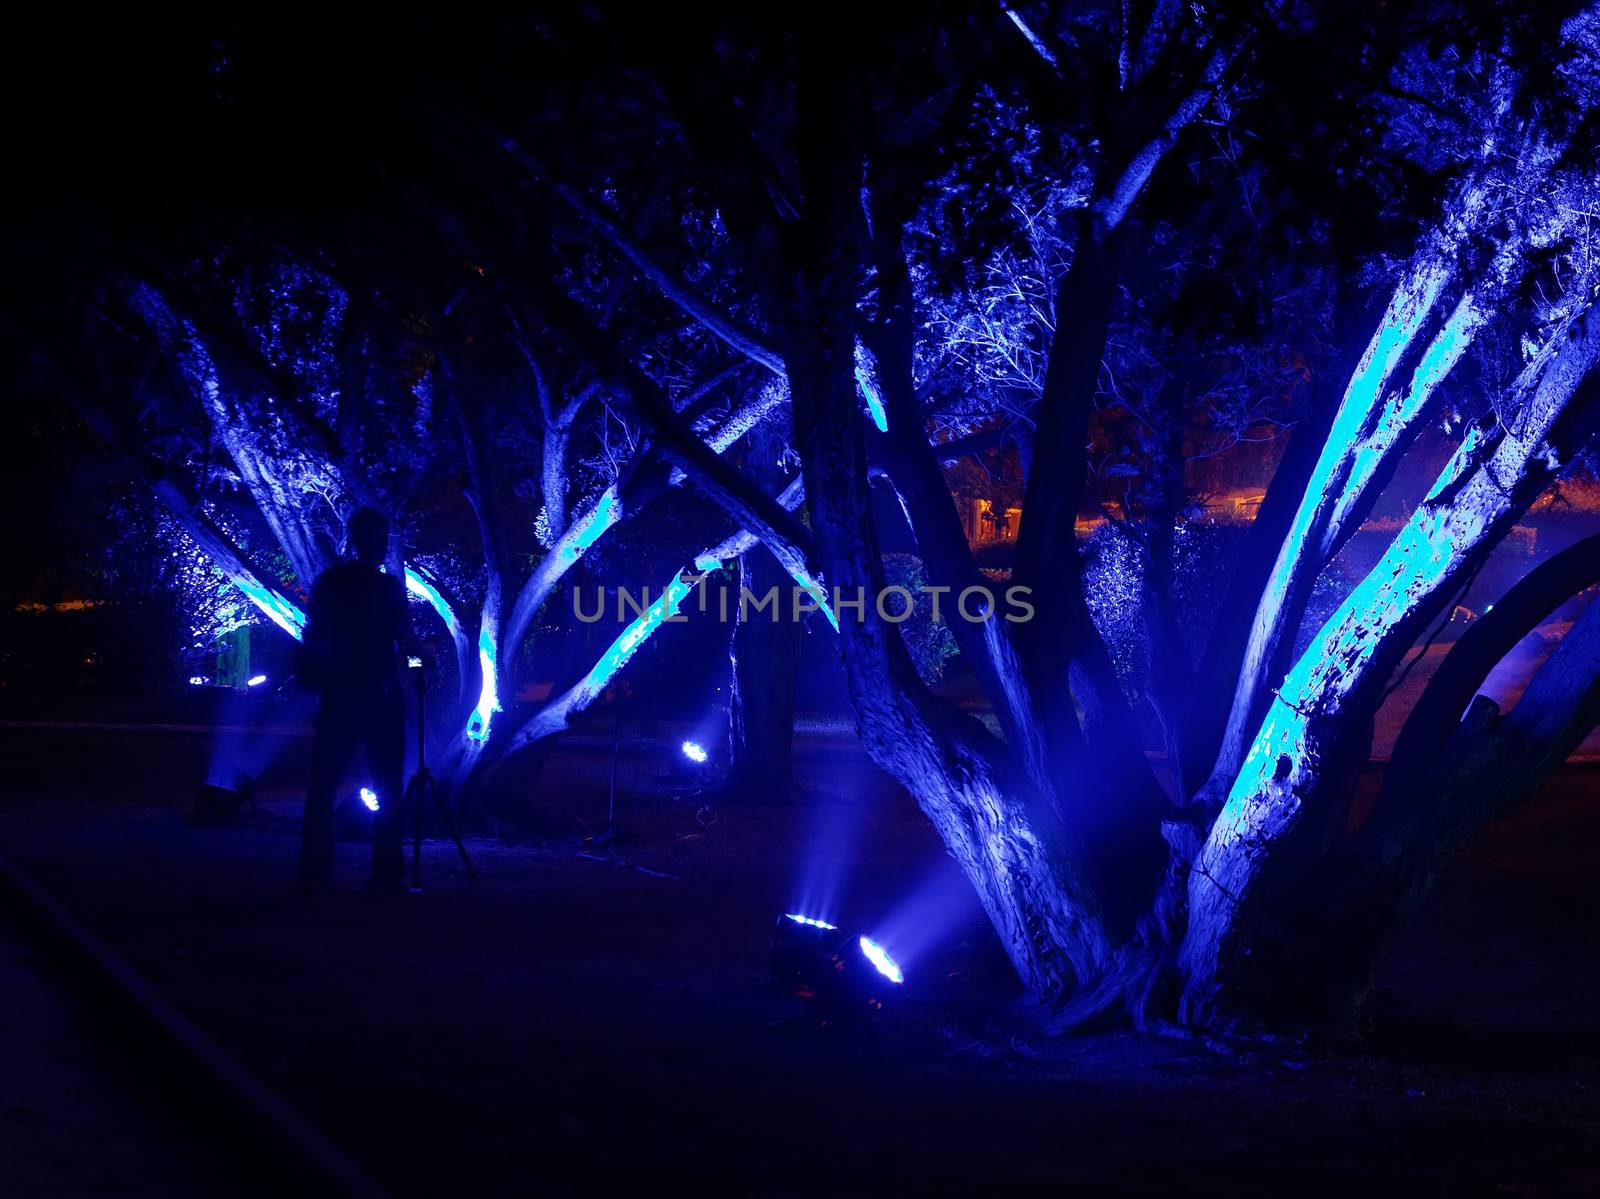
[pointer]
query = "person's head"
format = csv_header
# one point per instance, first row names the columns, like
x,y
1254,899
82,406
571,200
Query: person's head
x,y
366,535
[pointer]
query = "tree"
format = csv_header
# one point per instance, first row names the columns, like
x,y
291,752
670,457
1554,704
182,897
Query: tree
x,y
1085,234
1032,814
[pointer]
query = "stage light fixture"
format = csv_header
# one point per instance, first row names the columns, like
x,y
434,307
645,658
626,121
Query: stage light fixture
x,y
845,975
695,752
370,798
812,921
255,680
216,806
197,680
881,961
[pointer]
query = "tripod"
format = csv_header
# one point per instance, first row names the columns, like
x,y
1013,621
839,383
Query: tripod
x,y
423,783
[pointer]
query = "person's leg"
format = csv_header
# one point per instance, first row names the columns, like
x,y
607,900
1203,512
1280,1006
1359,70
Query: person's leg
x,y
336,736
386,749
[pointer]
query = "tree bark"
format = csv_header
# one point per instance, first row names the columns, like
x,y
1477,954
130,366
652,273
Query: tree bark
x,y
1374,426
1002,831
1280,809
766,659
987,648
1109,795
1217,673
1437,713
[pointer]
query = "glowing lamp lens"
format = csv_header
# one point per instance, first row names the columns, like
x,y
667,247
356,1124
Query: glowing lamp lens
x,y
370,798
196,680
255,680
881,960
810,921
693,751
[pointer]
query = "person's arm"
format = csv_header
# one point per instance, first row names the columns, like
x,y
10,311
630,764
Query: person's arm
x,y
311,663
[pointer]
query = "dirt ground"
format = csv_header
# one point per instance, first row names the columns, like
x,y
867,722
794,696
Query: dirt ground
x,y
593,1017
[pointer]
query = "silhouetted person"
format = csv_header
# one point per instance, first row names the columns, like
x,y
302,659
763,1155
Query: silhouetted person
x,y
358,630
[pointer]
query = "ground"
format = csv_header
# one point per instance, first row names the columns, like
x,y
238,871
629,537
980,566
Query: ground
x,y
594,1015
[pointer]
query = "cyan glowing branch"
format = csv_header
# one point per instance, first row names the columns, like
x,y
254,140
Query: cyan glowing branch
x,y
489,694
586,527
607,510
425,590
214,542
1370,425
553,717
1330,693
488,689
867,381
277,609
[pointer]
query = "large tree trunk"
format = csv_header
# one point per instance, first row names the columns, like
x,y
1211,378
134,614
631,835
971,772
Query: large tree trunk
x,y
1217,672
1375,422
1004,833
765,654
1301,765
987,649
1110,797
766,660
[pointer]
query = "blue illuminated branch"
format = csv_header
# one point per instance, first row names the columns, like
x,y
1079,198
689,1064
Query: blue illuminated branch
x,y
1401,412
1370,423
1325,700
585,529
489,696
1112,206
1026,30
814,589
588,527
607,509
866,380
745,340
488,693
665,605
213,541
423,589
553,717
277,609
1473,497
743,541
740,421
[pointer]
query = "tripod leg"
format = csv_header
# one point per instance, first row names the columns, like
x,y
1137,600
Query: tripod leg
x,y
414,797
455,833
